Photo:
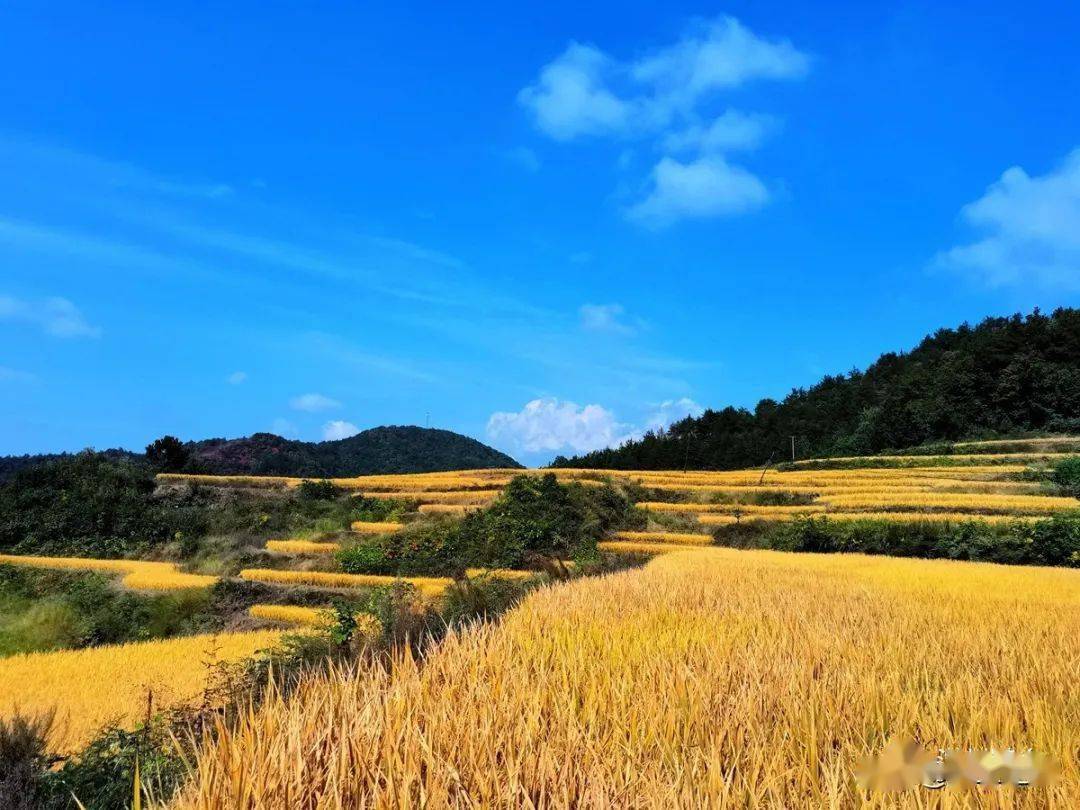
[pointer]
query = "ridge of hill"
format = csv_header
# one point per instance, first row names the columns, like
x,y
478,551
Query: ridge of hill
x,y
389,449
1004,376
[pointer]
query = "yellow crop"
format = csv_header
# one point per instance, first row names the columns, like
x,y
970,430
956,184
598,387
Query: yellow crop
x,y
374,527
366,624
92,687
141,575
730,508
928,517
301,547
478,496
500,573
445,508
332,579
710,678
638,547
683,538
1017,504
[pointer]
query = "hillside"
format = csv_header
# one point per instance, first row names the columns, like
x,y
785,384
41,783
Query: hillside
x,y
394,449
1004,376
378,450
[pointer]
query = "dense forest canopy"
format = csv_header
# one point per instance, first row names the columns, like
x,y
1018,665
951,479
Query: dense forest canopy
x,y
1003,376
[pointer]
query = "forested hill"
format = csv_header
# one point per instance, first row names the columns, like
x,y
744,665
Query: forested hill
x,y
1005,375
378,450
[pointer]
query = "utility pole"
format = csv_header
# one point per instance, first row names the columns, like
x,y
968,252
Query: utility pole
x,y
792,448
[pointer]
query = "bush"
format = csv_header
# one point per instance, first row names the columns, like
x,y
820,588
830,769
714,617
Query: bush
x,y
1066,474
533,518
318,491
1055,541
24,764
86,505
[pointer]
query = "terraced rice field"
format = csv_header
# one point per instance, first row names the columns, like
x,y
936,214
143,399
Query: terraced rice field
x,y
709,678
140,575
92,687
429,586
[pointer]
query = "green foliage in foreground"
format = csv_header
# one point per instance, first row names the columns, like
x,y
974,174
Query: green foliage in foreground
x,y
49,610
1055,541
534,517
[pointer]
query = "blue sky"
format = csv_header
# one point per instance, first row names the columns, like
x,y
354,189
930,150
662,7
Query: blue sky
x,y
549,228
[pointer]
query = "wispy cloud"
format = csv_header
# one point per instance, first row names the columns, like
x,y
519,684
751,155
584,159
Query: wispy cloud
x,y
313,403
57,317
609,318
1031,228
237,377
667,96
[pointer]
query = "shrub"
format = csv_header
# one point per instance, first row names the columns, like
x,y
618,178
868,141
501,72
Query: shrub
x,y
1066,474
86,505
24,763
318,491
1055,541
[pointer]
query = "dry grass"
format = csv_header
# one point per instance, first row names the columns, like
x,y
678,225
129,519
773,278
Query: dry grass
x,y
710,678
301,547
139,575
92,687
430,586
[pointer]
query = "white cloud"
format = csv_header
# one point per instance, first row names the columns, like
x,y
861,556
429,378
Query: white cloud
x,y
338,429
1031,227
604,318
719,54
552,425
730,131
707,187
313,403
57,317
524,157
237,377
283,427
670,96
570,97
672,410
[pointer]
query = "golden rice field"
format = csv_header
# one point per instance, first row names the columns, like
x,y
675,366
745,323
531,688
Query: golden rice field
x,y
709,678
373,527
445,508
301,547
429,586
318,618
501,573
681,538
464,497
141,575
91,687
